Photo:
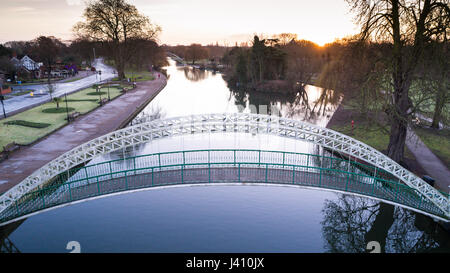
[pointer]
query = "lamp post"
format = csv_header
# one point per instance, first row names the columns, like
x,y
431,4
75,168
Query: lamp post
x,y
100,94
109,98
67,108
1,99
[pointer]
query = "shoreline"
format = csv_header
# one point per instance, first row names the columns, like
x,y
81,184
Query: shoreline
x,y
102,120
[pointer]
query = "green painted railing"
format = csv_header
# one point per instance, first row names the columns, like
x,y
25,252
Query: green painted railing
x,y
219,166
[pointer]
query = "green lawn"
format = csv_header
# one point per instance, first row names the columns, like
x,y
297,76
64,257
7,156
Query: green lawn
x,y
366,133
80,101
138,75
369,134
438,141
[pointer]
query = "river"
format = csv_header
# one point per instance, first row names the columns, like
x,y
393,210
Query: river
x,y
229,218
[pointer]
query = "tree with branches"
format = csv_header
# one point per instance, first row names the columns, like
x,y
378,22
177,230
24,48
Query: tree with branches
x,y
116,23
408,25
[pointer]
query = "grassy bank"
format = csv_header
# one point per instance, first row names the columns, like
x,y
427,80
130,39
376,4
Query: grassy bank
x,y
368,131
79,101
138,76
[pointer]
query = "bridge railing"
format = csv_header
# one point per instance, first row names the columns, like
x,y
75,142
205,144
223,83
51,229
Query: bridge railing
x,y
219,155
219,165
148,131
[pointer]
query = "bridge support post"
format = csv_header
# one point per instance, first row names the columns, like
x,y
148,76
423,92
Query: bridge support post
x,y
70,192
267,169
259,158
239,172
159,160
182,174
126,181
293,174
307,163
209,168
346,183
373,185
320,177
87,177
110,168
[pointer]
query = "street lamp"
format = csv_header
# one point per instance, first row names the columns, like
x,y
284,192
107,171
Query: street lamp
x,y
109,98
67,108
1,99
100,93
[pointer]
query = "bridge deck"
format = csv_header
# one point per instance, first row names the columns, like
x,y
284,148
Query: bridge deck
x,y
132,180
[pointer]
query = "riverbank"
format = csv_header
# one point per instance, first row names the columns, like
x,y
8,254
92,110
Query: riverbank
x,y
112,116
82,102
367,131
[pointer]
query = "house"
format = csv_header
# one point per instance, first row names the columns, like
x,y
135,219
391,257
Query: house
x,y
29,64
27,67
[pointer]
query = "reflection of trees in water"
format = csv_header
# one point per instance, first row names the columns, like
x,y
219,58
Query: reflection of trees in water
x,y
194,74
6,245
327,99
295,103
351,222
275,102
312,110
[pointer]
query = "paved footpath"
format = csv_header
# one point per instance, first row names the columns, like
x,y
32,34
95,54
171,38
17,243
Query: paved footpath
x,y
429,161
101,121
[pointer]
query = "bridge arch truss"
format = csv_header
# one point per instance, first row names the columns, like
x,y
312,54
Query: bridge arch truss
x,y
144,131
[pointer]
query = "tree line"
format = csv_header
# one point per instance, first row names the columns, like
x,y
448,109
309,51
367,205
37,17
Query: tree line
x,y
113,29
396,67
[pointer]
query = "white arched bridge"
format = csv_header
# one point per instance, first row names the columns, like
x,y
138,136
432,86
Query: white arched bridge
x,y
62,181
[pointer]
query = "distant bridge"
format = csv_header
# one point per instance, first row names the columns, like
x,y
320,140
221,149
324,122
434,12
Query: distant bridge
x,y
397,185
176,57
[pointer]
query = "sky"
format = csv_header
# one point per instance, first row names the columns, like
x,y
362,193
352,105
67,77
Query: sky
x,y
190,21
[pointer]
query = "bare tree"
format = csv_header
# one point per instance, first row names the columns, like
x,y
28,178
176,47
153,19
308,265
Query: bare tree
x,y
51,88
47,50
196,52
116,22
408,25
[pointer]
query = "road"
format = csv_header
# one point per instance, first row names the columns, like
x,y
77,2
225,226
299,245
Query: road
x,y
21,103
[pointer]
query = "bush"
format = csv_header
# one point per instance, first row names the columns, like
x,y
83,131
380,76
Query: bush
x,y
96,93
27,124
57,110
78,100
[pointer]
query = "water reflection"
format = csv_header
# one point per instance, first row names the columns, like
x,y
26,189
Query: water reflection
x,y
293,218
351,222
194,74
306,102
194,91
6,245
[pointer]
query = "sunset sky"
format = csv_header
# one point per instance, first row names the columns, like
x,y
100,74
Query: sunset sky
x,y
185,22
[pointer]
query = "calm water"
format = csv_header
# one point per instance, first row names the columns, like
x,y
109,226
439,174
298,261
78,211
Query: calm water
x,y
228,218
